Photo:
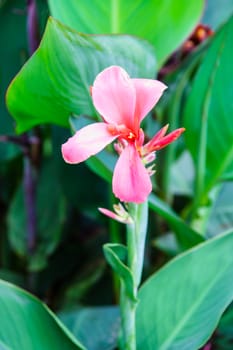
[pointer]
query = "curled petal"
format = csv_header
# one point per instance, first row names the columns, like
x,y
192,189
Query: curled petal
x,y
86,142
159,142
120,214
114,96
131,181
160,134
148,92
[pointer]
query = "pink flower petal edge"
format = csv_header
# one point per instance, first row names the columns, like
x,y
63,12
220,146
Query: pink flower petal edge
x,y
114,96
148,92
86,142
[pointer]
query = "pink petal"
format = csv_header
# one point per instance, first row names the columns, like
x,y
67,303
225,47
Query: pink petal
x,y
114,96
86,142
160,134
158,143
131,181
110,214
148,92
114,216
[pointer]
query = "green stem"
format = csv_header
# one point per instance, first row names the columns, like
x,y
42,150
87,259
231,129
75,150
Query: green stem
x,y
115,237
128,313
136,235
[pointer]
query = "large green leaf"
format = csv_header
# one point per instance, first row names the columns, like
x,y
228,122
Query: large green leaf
x,y
181,304
163,23
55,82
28,324
102,323
208,114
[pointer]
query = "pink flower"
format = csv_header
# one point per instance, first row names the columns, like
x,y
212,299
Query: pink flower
x,y
123,103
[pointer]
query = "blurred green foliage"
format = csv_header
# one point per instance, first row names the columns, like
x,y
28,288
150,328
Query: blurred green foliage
x,y
65,266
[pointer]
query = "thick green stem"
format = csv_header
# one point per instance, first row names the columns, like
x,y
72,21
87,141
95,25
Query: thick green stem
x,y
128,313
136,235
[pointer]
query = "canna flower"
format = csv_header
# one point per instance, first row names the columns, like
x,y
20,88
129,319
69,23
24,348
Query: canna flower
x,y
122,103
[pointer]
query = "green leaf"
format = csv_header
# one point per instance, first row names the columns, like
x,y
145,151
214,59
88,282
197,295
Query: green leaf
x,y
180,305
8,151
12,277
215,18
50,217
221,217
224,334
87,278
186,236
29,324
177,177
165,23
167,243
4,346
56,80
101,322
207,114
182,175
116,255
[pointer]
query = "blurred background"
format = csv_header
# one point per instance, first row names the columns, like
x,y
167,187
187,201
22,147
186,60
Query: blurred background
x,y
51,233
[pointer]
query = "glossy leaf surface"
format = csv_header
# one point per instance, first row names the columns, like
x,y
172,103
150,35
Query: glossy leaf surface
x,y
165,24
101,322
116,255
182,303
29,324
55,82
